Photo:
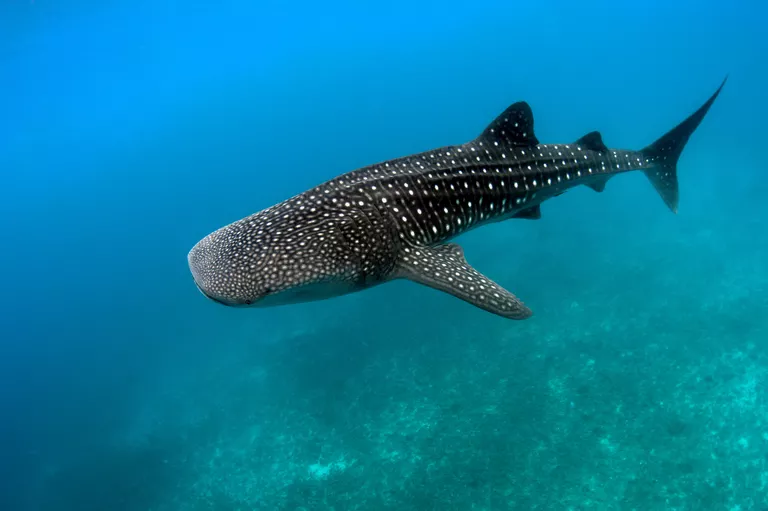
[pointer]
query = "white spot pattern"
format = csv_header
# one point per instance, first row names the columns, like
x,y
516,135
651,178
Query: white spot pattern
x,y
392,218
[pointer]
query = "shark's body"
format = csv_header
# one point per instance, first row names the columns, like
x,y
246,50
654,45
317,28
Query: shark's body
x,y
393,219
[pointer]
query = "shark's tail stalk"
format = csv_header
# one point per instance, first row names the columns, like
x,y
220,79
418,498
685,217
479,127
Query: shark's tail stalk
x,y
663,154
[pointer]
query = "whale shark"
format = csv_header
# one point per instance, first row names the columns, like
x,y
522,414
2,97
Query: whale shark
x,y
395,219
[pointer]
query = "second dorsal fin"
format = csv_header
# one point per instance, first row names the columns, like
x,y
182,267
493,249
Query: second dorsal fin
x,y
593,141
514,127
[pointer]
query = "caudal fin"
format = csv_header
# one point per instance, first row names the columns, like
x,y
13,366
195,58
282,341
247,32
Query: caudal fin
x,y
663,154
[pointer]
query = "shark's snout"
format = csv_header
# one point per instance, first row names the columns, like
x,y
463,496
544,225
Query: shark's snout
x,y
199,266
217,273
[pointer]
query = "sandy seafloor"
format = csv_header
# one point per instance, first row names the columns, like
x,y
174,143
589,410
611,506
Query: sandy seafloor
x,y
639,384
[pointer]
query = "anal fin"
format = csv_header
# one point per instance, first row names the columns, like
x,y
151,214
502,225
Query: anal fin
x,y
443,267
598,183
533,213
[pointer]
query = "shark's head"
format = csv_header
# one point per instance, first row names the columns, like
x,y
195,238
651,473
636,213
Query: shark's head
x,y
274,257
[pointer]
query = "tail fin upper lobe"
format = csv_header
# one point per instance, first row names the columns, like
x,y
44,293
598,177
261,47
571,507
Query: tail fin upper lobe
x,y
664,153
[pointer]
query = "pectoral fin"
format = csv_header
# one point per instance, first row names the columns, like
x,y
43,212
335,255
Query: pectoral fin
x,y
443,267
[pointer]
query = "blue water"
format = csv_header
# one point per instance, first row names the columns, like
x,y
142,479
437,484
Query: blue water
x,y
129,130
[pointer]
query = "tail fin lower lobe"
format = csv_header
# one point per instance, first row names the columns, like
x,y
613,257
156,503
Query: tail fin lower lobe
x,y
663,154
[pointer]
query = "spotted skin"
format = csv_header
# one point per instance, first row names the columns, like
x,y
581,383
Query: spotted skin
x,y
394,219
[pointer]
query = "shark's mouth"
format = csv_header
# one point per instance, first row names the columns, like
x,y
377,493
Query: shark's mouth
x,y
245,303
212,298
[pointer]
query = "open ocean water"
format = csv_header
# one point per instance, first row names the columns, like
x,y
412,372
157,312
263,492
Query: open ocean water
x,y
131,129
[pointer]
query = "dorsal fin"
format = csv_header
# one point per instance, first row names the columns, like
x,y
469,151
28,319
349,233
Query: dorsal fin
x,y
513,127
593,141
